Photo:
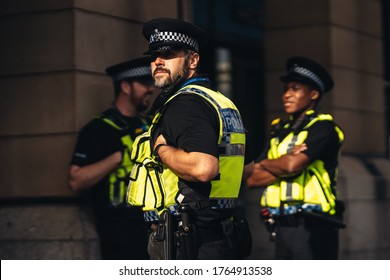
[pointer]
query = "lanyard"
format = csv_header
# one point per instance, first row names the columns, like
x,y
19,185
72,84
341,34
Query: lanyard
x,y
195,80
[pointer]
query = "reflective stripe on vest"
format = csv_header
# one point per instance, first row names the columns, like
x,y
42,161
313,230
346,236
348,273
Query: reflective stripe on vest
x,y
313,186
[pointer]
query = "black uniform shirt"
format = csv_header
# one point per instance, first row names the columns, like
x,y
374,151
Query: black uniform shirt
x,y
96,141
192,124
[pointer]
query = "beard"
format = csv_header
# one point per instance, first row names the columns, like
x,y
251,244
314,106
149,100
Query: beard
x,y
167,80
141,105
139,99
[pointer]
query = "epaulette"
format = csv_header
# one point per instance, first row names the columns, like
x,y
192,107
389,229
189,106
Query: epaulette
x,y
111,117
276,125
275,121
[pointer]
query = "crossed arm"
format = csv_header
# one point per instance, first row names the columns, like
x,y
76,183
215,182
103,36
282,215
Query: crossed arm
x,y
193,166
267,171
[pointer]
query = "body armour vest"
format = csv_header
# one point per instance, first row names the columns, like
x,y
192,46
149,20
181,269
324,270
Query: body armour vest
x,y
313,188
154,186
119,178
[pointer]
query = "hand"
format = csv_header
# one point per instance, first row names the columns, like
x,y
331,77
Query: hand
x,y
297,149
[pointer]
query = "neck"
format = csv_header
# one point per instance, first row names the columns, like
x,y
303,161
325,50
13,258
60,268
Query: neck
x,y
125,108
298,118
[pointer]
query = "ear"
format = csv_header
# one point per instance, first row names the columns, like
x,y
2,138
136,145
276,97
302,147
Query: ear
x,y
314,95
194,61
125,87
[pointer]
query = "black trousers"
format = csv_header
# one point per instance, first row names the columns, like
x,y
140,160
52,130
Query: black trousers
x,y
211,245
213,250
307,239
123,240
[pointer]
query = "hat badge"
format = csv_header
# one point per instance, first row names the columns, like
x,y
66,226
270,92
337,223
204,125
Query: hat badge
x,y
157,34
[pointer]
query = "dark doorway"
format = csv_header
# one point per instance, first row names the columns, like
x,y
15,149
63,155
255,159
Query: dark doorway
x,y
234,58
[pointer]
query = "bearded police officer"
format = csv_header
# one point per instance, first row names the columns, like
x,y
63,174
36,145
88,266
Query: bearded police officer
x,y
101,163
299,168
194,141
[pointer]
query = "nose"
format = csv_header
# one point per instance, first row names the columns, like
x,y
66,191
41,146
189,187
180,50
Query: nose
x,y
158,60
287,92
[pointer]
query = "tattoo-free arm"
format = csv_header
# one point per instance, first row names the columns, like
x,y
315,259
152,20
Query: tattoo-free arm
x,y
268,170
193,166
85,177
248,171
260,177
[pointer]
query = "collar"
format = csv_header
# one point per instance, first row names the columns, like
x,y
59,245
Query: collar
x,y
172,89
196,80
298,123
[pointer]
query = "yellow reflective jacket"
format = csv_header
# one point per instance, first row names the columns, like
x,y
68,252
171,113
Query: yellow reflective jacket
x,y
118,179
154,186
313,186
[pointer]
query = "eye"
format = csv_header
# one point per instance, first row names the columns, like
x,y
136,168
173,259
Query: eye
x,y
168,54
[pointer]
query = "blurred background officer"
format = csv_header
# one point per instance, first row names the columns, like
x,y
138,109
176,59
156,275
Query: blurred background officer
x,y
198,134
101,161
299,168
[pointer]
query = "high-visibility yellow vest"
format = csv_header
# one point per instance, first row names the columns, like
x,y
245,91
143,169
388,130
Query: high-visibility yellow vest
x,y
152,185
119,178
149,187
313,186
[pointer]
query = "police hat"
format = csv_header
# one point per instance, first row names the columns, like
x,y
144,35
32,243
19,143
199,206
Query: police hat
x,y
304,70
172,33
136,69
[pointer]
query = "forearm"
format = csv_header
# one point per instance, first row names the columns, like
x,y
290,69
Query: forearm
x,y
81,178
260,177
248,171
193,166
286,165
268,170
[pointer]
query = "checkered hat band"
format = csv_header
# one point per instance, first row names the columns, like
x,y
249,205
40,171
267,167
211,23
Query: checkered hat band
x,y
308,74
169,36
132,73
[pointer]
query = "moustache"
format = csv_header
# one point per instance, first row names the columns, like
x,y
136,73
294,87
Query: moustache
x,y
161,69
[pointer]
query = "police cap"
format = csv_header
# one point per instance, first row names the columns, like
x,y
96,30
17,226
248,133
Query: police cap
x,y
304,70
136,69
172,33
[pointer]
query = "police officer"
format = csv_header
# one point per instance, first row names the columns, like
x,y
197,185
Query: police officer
x,y
198,135
299,168
101,163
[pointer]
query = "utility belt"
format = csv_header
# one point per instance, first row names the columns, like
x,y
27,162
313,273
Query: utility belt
x,y
213,204
290,220
296,215
294,220
294,209
182,235
153,216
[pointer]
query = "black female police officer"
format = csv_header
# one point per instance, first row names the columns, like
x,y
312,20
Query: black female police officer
x,y
299,166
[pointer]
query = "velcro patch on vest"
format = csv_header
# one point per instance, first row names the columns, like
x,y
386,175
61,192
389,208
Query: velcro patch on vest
x,y
232,121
